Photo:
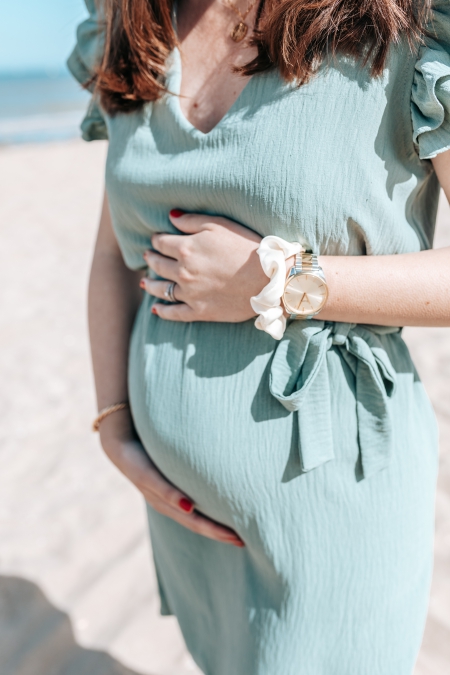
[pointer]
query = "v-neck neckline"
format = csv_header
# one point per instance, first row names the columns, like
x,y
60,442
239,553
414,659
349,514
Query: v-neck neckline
x,y
174,75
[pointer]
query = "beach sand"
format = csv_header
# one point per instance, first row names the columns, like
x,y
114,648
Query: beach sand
x,y
77,587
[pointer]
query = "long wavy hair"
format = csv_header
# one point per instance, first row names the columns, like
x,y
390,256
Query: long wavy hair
x,y
292,35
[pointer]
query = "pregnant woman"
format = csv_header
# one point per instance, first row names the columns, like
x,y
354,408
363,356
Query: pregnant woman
x,y
289,466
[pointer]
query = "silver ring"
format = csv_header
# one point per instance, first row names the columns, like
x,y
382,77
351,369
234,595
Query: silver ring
x,y
168,293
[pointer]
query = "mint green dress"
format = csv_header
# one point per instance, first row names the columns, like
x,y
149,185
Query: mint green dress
x,y
319,450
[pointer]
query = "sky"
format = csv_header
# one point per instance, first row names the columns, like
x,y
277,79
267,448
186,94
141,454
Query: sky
x,y
37,35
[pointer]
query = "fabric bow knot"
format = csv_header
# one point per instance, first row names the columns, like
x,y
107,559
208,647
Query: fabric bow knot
x,y
299,380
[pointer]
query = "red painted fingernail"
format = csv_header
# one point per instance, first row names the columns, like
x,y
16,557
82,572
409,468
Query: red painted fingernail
x,y
185,504
154,310
142,283
176,213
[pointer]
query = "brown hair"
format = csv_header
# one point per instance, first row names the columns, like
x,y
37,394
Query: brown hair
x,y
292,35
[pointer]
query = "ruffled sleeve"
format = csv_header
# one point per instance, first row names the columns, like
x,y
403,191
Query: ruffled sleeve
x,y
81,63
431,86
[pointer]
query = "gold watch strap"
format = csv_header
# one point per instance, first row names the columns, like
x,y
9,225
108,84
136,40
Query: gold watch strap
x,y
306,262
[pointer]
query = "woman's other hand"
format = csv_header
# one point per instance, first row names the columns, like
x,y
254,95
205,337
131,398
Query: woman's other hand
x,y
128,455
216,269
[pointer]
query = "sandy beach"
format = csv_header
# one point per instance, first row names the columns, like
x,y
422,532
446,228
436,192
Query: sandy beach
x,y
77,588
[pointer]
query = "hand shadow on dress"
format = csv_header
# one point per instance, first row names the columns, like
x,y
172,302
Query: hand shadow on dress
x,y
234,358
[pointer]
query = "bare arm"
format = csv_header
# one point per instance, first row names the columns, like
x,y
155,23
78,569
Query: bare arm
x,y
114,298
405,290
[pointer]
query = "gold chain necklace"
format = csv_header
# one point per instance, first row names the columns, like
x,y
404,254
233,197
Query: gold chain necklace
x,y
241,29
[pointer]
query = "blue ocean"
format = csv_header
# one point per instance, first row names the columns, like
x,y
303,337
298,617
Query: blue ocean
x,y
40,107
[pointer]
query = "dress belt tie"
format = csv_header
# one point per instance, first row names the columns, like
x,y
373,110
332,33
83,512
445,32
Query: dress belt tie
x,y
299,380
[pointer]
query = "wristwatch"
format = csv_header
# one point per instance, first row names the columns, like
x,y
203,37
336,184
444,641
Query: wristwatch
x,y
306,289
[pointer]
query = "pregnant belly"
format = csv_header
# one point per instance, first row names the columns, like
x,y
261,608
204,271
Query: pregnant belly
x,y
201,403
202,406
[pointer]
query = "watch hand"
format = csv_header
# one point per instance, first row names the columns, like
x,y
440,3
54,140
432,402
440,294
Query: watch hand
x,y
304,297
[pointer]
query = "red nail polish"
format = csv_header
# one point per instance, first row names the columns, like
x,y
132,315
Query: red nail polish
x,y
176,213
185,504
142,283
154,310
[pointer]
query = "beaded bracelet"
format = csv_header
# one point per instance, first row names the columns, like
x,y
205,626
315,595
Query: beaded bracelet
x,y
108,411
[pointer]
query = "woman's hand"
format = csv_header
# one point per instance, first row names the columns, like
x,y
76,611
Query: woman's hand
x,y
216,269
125,451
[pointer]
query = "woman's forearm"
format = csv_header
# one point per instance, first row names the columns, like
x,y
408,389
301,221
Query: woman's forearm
x,y
411,289
114,297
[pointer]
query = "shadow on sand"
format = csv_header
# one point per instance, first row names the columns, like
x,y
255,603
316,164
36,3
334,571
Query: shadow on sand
x,y
37,639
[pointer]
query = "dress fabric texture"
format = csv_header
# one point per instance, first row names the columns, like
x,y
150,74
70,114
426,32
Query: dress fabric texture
x,y
320,450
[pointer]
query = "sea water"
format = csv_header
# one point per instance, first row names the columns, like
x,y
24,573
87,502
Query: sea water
x,y
40,107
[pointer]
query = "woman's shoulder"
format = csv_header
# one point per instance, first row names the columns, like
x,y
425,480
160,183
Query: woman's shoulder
x,y
89,44
430,96
82,63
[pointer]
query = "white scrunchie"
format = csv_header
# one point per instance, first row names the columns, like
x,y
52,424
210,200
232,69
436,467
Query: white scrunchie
x,y
273,253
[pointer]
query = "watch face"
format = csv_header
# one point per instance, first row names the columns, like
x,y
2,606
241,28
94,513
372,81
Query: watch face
x,y
305,294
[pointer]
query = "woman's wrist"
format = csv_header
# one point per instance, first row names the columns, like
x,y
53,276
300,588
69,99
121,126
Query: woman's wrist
x,y
290,262
116,429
